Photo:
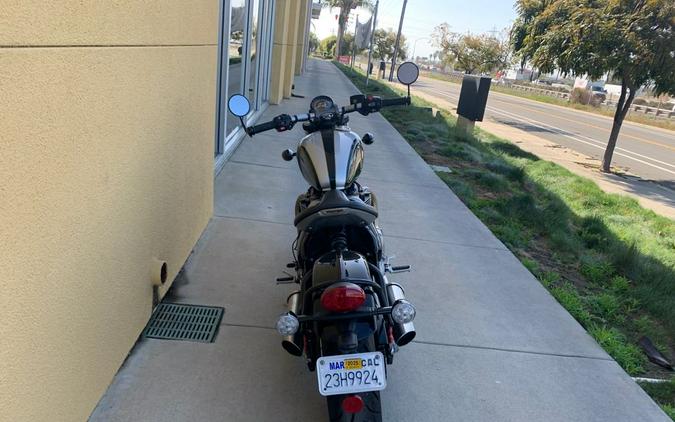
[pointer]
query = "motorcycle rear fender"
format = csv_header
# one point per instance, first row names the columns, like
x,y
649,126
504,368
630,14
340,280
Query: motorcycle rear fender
x,y
333,267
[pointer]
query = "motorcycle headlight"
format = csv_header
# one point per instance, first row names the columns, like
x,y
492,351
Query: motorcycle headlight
x,y
287,324
403,311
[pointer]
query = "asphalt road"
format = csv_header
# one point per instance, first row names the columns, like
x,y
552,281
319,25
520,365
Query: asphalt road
x,y
646,152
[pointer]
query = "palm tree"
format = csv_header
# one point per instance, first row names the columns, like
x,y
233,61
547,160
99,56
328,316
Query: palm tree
x,y
345,7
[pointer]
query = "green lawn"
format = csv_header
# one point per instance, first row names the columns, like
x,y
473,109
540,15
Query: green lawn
x,y
633,116
607,260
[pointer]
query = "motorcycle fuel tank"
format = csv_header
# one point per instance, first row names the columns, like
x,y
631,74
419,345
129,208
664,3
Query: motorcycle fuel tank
x,y
330,159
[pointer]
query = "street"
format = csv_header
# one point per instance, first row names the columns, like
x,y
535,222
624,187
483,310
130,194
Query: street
x,y
645,151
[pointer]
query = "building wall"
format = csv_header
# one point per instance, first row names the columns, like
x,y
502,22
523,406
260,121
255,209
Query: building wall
x,y
288,43
106,165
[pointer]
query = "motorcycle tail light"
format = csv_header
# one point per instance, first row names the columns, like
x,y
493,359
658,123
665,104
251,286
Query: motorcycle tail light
x,y
352,404
343,297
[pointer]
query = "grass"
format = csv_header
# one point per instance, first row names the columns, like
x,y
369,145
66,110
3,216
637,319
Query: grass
x,y
663,394
633,116
608,261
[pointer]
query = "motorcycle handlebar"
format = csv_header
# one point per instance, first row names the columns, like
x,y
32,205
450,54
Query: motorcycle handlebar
x,y
281,123
285,122
252,130
396,101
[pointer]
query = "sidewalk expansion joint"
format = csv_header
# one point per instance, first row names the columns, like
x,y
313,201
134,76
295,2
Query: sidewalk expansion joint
x,y
442,187
445,242
260,327
527,352
262,165
255,220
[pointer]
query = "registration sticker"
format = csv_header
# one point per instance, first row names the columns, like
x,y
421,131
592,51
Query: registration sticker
x,y
356,373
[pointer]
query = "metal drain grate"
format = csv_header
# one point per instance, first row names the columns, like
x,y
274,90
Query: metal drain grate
x,y
173,321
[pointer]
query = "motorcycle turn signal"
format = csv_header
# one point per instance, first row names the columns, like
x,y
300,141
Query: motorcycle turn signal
x,y
288,154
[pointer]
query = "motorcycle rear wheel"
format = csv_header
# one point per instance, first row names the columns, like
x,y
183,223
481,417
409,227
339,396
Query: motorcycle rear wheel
x,y
372,409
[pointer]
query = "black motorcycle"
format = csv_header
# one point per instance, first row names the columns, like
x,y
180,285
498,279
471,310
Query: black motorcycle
x,y
347,318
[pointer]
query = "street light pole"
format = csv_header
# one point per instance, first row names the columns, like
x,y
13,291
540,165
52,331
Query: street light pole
x,y
415,46
398,40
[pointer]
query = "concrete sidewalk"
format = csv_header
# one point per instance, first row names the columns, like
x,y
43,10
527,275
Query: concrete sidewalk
x,y
492,344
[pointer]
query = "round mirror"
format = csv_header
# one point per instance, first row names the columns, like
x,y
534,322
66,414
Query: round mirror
x,y
239,105
408,73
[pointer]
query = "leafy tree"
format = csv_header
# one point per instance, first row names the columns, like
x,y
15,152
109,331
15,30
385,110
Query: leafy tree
x,y
384,42
471,53
345,7
348,45
327,46
313,42
631,39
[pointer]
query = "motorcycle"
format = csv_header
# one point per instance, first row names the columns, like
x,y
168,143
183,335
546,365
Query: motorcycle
x,y
346,317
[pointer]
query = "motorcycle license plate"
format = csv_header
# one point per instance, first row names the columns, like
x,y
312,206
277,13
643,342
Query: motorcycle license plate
x,y
345,374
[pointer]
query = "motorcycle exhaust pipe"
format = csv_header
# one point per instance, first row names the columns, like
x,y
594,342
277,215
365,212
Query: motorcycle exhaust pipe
x,y
403,333
293,344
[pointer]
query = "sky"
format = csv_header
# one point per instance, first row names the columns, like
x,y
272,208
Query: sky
x,y
421,16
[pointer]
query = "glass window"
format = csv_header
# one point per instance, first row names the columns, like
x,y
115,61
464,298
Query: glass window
x,y
235,68
254,58
266,50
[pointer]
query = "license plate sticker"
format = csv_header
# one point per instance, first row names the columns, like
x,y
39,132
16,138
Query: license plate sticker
x,y
345,374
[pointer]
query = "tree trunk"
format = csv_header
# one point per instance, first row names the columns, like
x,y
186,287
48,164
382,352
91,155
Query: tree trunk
x,y
622,107
343,17
338,43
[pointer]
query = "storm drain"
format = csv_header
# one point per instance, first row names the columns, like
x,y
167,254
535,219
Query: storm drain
x,y
173,321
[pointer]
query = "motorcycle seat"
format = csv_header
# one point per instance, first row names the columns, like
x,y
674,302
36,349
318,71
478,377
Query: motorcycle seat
x,y
335,208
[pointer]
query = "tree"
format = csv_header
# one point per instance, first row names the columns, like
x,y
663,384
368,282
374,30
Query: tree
x,y
348,45
384,42
313,42
631,39
471,53
327,46
345,7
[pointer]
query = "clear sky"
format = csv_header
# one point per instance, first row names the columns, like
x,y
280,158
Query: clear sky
x,y
422,16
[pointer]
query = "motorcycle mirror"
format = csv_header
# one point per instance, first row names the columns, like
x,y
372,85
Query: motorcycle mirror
x,y
408,73
238,105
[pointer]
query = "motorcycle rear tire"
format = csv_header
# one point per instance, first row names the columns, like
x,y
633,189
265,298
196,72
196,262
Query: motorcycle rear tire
x,y
372,409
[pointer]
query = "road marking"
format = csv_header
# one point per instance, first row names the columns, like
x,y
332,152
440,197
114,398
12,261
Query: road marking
x,y
595,143
591,125
564,132
627,123
515,103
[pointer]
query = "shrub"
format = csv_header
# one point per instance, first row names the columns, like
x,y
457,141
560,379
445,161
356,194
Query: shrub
x,y
606,305
569,298
597,270
584,96
627,355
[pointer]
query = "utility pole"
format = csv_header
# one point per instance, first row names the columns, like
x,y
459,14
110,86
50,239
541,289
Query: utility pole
x,y
398,40
494,31
372,38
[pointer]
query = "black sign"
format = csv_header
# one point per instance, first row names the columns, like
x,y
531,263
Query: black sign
x,y
473,97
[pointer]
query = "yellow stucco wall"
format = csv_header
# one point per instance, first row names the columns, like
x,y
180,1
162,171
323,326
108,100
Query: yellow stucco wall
x,y
106,162
288,42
